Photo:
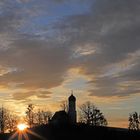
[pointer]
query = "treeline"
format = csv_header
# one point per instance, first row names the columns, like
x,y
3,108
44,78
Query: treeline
x,y
33,117
88,114
134,121
39,117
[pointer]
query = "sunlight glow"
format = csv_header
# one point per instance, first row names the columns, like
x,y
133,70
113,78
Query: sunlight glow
x,y
21,134
22,127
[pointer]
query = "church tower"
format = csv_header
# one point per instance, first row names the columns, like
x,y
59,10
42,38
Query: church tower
x,y
72,109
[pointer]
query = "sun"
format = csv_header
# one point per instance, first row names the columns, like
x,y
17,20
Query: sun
x,y
22,127
22,132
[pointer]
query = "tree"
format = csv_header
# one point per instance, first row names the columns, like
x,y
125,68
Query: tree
x,y
8,120
134,121
2,119
30,115
39,117
47,115
91,115
11,121
64,105
43,117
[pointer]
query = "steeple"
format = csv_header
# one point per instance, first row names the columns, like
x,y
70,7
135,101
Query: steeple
x,y
72,108
72,98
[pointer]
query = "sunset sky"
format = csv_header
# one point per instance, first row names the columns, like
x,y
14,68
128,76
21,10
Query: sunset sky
x,y
50,47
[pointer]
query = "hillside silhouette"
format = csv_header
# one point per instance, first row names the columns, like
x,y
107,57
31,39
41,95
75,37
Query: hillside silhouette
x,y
63,125
74,132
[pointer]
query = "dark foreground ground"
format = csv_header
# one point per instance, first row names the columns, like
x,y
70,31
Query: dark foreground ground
x,y
77,132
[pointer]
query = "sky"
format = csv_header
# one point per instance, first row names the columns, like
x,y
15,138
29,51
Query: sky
x,y
50,47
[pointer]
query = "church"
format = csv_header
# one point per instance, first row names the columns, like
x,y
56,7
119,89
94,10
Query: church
x,y
69,117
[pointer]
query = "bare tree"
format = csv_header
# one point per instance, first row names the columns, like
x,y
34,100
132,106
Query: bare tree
x,y
11,121
47,115
64,105
43,117
91,115
39,117
8,120
30,115
134,121
2,119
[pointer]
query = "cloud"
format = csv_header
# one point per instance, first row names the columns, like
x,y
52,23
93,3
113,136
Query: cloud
x,y
26,95
103,43
38,65
112,30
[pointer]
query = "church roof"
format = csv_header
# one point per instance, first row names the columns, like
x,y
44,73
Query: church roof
x,y
59,114
60,117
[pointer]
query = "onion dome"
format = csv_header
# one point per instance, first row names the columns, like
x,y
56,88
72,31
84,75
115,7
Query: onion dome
x,y
72,98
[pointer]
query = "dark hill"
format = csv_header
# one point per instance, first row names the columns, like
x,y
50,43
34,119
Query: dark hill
x,y
78,132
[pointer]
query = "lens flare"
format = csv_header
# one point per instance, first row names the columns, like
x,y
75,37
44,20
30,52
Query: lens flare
x,y
22,127
22,133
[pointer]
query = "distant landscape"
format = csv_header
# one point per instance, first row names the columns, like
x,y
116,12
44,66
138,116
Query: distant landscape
x,y
63,124
79,131
69,69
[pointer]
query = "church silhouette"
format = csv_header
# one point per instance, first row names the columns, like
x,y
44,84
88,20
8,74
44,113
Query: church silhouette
x,y
63,117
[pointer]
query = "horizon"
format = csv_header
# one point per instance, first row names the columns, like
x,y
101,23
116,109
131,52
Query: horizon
x,y
50,47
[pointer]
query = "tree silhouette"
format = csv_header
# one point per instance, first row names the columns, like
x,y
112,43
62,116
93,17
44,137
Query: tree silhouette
x,y
134,121
47,115
64,105
43,117
39,117
2,119
30,115
91,115
8,120
11,121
